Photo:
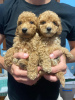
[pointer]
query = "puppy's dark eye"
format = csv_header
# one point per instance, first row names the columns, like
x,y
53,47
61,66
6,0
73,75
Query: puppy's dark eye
x,y
43,22
31,22
20,23
55,23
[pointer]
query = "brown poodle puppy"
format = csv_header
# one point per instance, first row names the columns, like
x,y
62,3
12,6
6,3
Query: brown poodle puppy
x,y
49,26
25,41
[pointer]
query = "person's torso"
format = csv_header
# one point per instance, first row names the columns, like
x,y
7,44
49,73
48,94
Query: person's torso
x,y
18,6
18,90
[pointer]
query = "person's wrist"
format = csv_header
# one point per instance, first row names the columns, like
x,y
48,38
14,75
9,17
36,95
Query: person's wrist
x,y
2,62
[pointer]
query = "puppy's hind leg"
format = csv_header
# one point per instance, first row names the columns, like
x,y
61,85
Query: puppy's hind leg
x,y
32,69
8,58
60,75
45,62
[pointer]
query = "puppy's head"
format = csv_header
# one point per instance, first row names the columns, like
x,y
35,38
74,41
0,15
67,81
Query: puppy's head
x,y
26,25
49,24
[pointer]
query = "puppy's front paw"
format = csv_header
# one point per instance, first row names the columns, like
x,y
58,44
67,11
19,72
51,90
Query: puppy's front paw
x,y
32,75
15,61
23,64
47,69
55,62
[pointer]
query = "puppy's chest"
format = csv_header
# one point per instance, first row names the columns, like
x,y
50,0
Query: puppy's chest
x,y
24,46
49,43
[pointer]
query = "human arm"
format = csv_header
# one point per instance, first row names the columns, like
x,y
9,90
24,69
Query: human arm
x,y
21,75
18,74
1,58
72,48
62,65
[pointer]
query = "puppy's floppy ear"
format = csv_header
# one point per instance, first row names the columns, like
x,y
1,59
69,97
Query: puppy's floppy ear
x,y
59,28
16,33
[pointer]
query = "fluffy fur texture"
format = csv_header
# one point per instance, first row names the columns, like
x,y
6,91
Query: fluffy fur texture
x,y
49,29
38,46
25,41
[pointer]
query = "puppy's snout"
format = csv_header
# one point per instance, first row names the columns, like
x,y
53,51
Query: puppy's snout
x,y
24,30
48,29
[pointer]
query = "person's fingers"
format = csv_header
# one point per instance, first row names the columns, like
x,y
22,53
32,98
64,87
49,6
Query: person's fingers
x,y
39,68
21,75
64,71
20,78
51,78
56,54
61,66
63,58
21,55
15,70
25,80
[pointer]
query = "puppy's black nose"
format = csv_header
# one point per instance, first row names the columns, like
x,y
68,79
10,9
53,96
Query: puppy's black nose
x,y
24,30
48,29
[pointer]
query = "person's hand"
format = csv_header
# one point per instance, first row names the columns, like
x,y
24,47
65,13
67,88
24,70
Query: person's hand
x,y
19,74
60,67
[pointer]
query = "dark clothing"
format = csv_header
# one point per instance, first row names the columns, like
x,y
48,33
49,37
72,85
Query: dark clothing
x,y
9,12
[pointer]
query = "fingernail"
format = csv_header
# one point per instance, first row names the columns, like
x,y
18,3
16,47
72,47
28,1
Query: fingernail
x,y
25,55
51,55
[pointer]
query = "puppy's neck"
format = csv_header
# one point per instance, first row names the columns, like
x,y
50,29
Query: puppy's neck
x,y
51,40
25,39
21,39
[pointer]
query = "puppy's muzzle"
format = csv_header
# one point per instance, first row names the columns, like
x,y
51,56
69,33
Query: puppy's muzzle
x,y
24,30
48,29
